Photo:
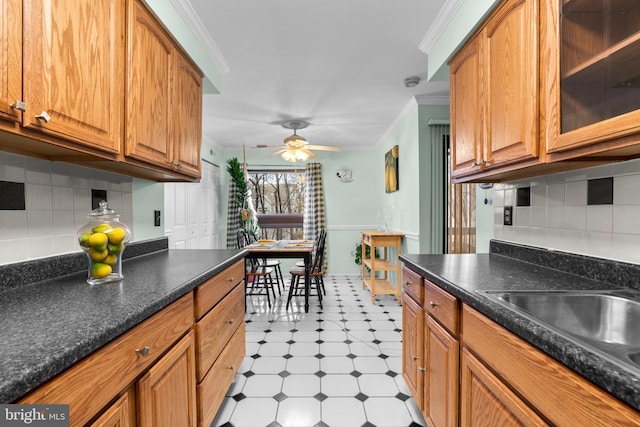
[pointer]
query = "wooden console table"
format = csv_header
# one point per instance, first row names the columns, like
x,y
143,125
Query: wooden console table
x,y
381,285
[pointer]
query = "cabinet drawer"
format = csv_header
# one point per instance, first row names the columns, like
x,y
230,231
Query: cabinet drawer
x,y
212,291
89,385
442,306
412,285
213,388
216,327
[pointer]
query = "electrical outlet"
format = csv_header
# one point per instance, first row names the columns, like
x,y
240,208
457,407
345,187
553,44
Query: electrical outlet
x,y
156,218
508,215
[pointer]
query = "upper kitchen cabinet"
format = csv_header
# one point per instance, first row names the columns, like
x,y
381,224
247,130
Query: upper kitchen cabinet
x,y
593,50
73,76
494,94
11,60
164,98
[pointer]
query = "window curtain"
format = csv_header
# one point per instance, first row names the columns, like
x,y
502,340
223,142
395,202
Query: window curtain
x,y
234,217
436,165
314,212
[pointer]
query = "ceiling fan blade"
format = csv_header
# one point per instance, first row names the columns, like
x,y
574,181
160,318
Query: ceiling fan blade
x,y
280,151
265,146
323,147
309,153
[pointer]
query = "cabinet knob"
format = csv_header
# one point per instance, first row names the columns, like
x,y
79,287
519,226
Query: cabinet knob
x,y
478,163
231,367
433,304
230,321
18,105
44,116
414,357
174,163
422,370
144,351
231,279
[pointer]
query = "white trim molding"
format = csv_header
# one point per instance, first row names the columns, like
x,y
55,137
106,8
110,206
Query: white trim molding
x,y
448,11
193,21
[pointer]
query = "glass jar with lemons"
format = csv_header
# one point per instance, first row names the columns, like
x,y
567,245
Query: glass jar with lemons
x,y
103,239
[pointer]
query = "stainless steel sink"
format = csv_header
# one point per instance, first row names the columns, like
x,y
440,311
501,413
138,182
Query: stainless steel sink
x,y
608,321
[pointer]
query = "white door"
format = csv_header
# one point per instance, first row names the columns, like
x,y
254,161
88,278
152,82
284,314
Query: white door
x,y
191,211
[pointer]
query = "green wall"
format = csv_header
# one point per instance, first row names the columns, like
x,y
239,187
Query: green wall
x,y
147,196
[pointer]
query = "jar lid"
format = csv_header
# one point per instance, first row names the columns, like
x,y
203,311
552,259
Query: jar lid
x,y
102,210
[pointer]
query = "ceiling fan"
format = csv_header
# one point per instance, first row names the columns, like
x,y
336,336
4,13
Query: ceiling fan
x,y
296,148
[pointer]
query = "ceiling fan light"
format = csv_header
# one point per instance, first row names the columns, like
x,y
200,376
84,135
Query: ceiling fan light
x,y
295,155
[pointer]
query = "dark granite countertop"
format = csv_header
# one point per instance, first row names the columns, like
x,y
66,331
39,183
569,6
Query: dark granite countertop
x,y
464,275
49,325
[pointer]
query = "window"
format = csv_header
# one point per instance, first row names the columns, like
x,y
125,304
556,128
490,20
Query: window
x,y
278,196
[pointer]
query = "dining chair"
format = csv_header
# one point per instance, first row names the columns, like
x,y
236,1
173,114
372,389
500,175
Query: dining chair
x,y
269,262
316,279
258,279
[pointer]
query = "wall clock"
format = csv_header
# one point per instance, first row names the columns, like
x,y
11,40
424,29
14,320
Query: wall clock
x,y
344,174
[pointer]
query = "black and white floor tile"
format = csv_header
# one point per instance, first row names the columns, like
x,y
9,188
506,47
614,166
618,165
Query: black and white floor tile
x,y
339,366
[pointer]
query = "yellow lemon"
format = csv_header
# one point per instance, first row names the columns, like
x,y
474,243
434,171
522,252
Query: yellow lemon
x,y
101,228
115,249
84,239
98,255
100,270
110,259
116,235
98,241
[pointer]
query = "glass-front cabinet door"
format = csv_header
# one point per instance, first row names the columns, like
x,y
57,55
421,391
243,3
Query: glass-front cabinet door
x,y
597,71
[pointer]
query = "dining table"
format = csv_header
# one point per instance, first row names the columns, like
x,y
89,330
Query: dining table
x,y
298,249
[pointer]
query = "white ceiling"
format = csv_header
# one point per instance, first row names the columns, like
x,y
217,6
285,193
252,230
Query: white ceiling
x,y
339,64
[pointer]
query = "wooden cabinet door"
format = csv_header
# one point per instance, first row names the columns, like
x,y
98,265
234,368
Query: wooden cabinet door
x,y
149,109
510,82
486,402
167,391
119,414
441,377
10,58
466,110
187,117
412,357
73,70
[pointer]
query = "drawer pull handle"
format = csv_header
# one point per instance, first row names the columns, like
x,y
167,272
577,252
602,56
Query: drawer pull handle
x,y
230,321
230,279
422,370
231,367
44,116
144,351
18,105
433,304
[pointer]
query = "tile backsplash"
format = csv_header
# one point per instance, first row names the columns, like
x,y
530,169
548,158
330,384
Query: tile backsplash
x,y
560,218
57,201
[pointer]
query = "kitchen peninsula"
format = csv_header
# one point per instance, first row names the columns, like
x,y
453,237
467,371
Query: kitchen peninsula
x,y
58,324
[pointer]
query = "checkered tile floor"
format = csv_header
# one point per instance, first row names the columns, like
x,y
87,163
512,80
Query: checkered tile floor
x,y
339,366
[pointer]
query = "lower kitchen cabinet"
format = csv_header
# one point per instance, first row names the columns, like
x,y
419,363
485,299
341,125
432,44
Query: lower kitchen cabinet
x,y
485,401
441,375
167,391
412,348
505,371
121,413
430,350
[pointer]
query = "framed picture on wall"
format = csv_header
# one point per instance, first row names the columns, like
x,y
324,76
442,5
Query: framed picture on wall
x,y
391,181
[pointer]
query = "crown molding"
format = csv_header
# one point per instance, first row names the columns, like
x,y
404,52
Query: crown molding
x,y
191,18
433,99
448,11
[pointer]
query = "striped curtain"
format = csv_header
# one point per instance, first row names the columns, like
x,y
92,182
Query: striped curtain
x,y
314,213
234,217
